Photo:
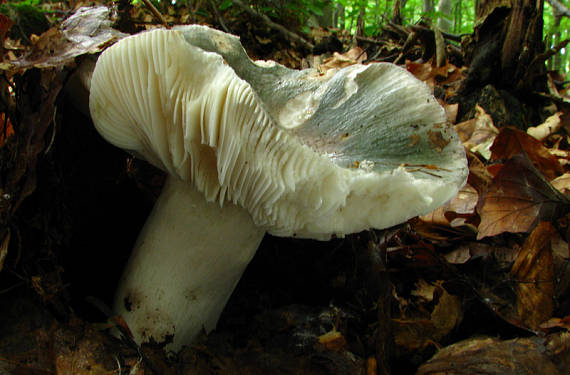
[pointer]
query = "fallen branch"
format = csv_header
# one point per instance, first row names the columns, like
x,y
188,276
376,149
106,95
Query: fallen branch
x,y
288,34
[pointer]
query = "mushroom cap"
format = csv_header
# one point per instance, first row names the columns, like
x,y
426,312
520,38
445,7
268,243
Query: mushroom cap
x,y
307,155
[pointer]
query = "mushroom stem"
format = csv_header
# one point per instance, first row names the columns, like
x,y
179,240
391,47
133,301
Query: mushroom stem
x,y
186,262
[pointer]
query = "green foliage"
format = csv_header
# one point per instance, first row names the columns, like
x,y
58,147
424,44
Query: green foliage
x,y
554,34
300,14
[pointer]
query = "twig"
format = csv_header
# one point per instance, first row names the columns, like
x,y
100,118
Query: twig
x,y
274,25
440,52
219,16
370,40
155,13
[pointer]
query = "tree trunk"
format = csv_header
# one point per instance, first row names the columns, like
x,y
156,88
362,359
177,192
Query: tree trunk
x,y
507,42
458,19
396,14
557,59
428,6
444,19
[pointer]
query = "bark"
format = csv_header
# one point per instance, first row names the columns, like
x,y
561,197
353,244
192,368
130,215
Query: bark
x,y
557,59
507,46
444,22
396,14
428,6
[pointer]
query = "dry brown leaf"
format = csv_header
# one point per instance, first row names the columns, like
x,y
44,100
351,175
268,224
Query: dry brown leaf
x,y
86,31
518,199
461,206
333,340
355,55
447,314
556,323
479,177
478,134
511,142
429,328
533,273
6,128
446,75
461,255
493,356
550,126
562,183
424,290
451,112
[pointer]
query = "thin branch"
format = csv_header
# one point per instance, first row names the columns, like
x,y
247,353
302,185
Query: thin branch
x,y
274,25
155,13
219,16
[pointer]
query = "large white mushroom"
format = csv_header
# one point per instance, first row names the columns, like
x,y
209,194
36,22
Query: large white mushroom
x,y
254,147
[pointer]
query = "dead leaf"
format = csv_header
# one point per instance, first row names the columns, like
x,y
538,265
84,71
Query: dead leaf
x,y
518,199
424,290
461,206
447,314
478,134
355,55
479,177
451,112
5,26
333,340
461,255
446,76
493,356
429,328
556,323
511,141
550,126
562,183
88,30
533,272
6,129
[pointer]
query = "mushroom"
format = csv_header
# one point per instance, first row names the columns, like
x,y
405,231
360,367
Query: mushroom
x,y
254,147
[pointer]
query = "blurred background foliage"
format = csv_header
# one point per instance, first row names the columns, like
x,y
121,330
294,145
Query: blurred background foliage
x,y
367,17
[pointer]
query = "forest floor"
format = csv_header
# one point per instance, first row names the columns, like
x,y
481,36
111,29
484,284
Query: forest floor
x,y
481,285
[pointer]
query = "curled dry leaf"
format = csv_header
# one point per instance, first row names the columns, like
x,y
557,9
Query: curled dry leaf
x,y
518,199
511,142
479,176
550,126
456,211
447,76
533,273
478,134
562,183
355,55
86,31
